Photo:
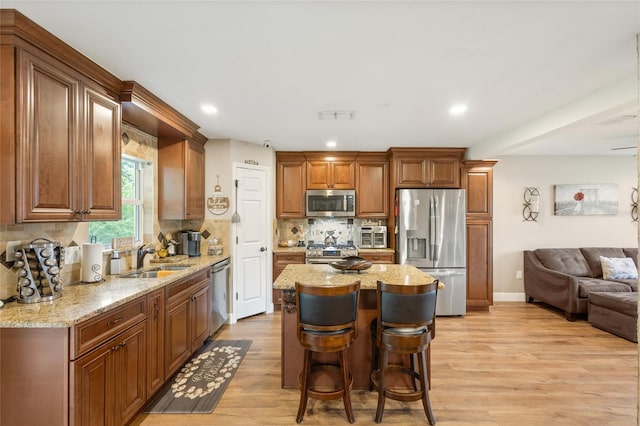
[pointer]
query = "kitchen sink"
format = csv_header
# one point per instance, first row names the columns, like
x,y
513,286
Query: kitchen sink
x,y
153,272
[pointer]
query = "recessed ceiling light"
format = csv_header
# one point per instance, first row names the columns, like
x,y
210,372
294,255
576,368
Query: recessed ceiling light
x,y
209,109
331,144
458,109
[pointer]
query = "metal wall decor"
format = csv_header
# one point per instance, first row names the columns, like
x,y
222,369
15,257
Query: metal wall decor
x,y
531,204
218,204
634,204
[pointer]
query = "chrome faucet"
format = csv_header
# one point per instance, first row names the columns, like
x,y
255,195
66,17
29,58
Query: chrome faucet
x,y
143,250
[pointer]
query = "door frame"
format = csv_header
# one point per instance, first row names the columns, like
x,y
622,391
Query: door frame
x,y
233,317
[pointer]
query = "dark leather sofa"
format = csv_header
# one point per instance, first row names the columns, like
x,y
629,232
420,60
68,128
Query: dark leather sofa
x,y
564,277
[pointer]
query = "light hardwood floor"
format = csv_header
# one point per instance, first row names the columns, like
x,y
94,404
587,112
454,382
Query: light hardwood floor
x,y
520,364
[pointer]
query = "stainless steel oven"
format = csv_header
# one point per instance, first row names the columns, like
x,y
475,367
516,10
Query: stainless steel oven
x,y
319,253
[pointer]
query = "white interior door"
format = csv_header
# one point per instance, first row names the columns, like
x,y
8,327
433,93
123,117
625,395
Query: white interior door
x,y
251,241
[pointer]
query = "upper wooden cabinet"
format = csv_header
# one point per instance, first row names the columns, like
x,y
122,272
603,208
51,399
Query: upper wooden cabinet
x,y
291,184
181,179
372,185
60,130
427,167
330,171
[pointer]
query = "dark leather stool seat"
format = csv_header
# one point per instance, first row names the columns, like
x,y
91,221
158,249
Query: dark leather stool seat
x,y
326,324
404,325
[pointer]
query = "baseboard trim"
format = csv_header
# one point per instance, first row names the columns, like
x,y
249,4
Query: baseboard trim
x,y
509,297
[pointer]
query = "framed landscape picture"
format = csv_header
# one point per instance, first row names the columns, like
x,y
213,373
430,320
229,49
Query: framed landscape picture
x,y
586,199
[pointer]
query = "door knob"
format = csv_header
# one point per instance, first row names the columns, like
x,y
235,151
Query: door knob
x,y
263,249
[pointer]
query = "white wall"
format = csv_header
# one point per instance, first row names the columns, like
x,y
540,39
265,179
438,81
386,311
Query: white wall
x,y
512,235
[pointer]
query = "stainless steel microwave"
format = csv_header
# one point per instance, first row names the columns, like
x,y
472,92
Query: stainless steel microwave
x,y
331,202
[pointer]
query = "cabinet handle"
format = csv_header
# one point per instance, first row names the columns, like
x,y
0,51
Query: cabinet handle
x,y
115,321
88,211
115,348
123,344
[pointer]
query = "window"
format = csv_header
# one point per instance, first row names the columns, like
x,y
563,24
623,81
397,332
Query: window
x,y
131,222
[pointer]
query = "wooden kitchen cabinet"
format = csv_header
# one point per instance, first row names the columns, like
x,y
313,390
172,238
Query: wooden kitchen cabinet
x,y
386,257
330,171
427,167
68,146
181,178
478,183
187,323
280,261
59,129
155,341
372,185
108,369
291,185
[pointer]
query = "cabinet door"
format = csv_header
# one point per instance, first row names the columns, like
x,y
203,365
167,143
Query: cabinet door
x,y
372,188
177,337
47,127
291,185
155,342
444,173
410,172
194,160
318,175
200,315
378,257
343,175
93,388
101,173
479,264
130,372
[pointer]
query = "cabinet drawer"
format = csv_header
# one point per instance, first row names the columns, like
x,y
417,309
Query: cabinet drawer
x,y
290,258
185,283
92,333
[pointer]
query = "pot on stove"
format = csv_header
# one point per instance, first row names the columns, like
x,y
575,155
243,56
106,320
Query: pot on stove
x,y
330,240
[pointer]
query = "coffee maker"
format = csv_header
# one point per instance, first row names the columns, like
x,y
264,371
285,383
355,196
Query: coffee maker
x,y
189,243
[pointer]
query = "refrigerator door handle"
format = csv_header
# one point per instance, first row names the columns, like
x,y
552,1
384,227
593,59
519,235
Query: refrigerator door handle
x,y
434,229
432,225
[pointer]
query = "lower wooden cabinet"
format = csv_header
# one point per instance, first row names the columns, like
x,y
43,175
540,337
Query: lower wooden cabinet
x,y
187,320
386,257
280,261
108,383
155,341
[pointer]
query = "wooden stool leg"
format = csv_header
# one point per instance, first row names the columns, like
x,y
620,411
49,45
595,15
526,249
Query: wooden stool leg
x,y
424,385
304,385
429,365
346,397
384,361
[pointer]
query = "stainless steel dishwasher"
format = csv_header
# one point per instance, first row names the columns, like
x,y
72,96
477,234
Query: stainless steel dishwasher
x,y
219,288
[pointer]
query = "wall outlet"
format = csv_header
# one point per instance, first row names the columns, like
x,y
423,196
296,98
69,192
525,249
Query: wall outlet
x,y
71,255
10,250
518,275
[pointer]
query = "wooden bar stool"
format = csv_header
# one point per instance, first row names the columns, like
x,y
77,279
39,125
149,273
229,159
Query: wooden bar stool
x,y
326,324
405,317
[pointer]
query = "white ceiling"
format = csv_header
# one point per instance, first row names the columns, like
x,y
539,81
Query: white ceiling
x,y
539,77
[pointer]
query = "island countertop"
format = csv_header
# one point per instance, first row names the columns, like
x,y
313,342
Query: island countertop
x,y
325,275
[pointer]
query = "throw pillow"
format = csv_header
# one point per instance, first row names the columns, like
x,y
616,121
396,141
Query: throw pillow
x,y
618,268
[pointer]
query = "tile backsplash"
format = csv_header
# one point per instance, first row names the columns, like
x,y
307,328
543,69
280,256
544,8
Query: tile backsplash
x,y
307,229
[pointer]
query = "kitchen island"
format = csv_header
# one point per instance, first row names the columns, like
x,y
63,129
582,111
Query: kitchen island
x,y
325,275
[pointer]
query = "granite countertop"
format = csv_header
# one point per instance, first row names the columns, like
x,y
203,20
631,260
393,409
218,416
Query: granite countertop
x,y
326,275
80,301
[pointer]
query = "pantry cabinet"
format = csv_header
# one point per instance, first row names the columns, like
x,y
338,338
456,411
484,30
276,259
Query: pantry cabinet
x,y
372,185
187,319
329,171
291,185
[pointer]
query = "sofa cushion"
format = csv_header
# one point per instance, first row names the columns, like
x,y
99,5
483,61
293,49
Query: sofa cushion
x,y
587,285
618,268
625,303
632,253
631,283
567,260
592,255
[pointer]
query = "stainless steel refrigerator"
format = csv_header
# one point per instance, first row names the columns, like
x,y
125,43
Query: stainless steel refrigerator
x,y
431,235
